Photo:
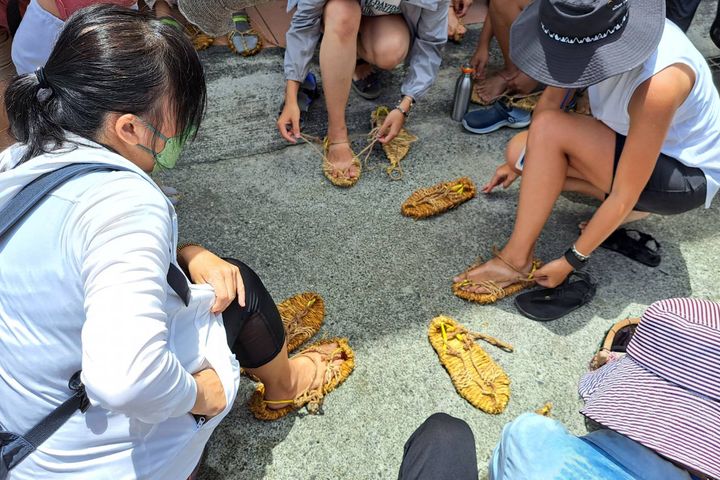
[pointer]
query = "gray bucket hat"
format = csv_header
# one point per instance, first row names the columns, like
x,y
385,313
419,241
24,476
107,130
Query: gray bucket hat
x,y
577,43
214,17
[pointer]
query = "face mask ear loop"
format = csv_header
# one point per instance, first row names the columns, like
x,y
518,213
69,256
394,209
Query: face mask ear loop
x,y
157,133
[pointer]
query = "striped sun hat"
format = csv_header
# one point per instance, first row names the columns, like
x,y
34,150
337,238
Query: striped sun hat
x,y
665,393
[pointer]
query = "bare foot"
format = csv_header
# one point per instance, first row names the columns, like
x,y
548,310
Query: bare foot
x,y
492,87
494,270
341,158
633,216
456,29
306,375
522,84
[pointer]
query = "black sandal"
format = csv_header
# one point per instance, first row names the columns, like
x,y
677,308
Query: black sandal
x,y
640,247
546,304
369,87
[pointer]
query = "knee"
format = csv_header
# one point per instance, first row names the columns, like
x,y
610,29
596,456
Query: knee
x,y
389,53
526,431
446,429
547,127
342,19
251,280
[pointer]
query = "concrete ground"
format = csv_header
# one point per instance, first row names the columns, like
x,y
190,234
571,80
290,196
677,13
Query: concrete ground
x,y
384,277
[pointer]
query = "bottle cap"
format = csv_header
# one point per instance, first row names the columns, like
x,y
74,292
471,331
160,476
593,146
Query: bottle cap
x,y
467,69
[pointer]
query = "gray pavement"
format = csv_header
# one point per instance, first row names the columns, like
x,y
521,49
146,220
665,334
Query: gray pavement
x,y
383,276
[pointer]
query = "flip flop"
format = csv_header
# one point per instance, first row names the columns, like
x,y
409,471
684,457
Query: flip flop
x,y
546,304
644,249
244,40
369,87
476,377
615,341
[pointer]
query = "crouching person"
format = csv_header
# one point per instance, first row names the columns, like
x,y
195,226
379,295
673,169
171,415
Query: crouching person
x,y
93,287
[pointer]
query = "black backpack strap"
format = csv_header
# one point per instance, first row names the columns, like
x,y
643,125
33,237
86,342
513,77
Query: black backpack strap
x,y
13,16
14,447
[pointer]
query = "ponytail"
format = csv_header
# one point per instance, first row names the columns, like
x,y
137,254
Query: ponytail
x,y
107,59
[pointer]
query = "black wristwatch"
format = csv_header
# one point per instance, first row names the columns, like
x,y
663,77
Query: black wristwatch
x,y
576,259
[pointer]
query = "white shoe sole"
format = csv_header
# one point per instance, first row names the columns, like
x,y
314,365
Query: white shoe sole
x,y
495,127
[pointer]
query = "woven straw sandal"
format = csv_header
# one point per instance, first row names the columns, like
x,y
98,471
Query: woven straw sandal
x,y
439,198
302,316
396,149
343,181
615,341
242,32
332,377
494,291
477,378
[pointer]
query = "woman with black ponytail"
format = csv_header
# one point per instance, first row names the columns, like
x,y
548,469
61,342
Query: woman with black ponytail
x,y
91,278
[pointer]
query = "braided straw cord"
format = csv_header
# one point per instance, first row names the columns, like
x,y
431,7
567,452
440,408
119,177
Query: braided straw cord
x,y
332,377
476,377
439,198
302,316
494,291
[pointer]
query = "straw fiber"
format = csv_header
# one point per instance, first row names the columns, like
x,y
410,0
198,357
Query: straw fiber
x,y
476,377
439,198
494,291
302,316
396,149
332,377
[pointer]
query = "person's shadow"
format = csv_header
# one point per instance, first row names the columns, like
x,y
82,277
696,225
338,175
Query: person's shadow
x,y
229,454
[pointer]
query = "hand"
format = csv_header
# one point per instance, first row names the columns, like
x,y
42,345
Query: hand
x,y
504,175
210,400
553,274
391,126
289,122
206,267
461,7
479,61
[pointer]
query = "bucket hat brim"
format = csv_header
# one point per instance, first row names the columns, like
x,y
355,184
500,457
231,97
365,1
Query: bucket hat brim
x,y
559,64
674,422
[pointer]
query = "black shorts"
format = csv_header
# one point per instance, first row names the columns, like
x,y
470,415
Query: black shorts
x,y
672,188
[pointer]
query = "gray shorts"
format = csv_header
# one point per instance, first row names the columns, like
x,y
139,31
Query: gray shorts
x,y
673,187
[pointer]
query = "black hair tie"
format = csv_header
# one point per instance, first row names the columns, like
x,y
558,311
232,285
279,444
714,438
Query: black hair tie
x,y
42,79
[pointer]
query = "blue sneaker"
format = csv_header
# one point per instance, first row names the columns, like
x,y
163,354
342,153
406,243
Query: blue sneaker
x,y
494,117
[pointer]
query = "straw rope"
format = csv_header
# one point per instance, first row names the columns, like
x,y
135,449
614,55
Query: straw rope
x,y
476,377
439,198
332,377
494,291
545,410
396,149
302,316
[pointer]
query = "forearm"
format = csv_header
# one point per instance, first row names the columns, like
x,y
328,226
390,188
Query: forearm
x,y
291,92
606,220
486,34
553,98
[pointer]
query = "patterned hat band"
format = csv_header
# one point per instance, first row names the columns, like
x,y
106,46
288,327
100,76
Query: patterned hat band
x,y
589,39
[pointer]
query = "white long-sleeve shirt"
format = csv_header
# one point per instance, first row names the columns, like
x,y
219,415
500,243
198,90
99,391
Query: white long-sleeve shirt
x,y
83,286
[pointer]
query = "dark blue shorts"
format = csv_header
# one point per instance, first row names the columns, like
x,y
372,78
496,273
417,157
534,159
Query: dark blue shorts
x,y
672,188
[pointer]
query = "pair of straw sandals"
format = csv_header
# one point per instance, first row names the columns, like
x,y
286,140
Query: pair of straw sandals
x,y
302,316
